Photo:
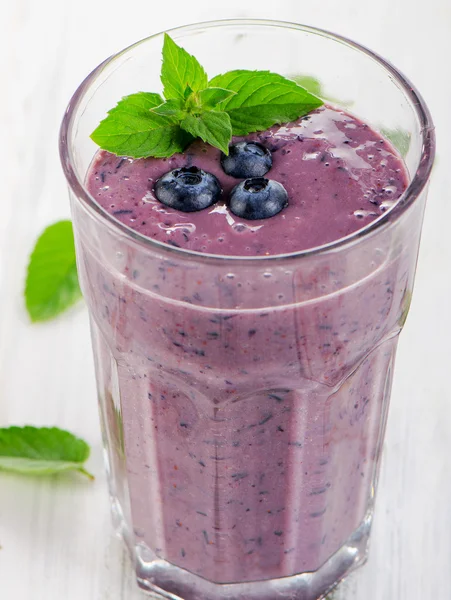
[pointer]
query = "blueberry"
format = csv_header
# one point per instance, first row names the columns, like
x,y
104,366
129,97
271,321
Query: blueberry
x,y
188,189
247,159
258,198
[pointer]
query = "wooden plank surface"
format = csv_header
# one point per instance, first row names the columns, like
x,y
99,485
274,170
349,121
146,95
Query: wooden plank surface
x,y
55,533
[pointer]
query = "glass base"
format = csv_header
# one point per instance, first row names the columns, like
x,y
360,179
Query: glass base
x,y
168,582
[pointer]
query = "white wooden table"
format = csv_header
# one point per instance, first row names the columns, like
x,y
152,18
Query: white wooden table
x,y
55,533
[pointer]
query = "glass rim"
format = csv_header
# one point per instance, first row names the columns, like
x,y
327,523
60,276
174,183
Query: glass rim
x,y
416,185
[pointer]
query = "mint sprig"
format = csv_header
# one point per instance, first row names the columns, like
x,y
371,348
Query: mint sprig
x,y
42,451
262,99
132,128
52,283
213,127
235,103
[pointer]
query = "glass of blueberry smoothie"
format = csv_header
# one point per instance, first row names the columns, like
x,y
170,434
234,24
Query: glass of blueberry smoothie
x,y
246,245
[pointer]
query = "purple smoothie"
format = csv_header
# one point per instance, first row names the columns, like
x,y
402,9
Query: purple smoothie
x,y
251,434
339,175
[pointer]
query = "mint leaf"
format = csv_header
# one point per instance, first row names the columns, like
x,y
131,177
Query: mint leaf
x,y
180,70
212,96
52,282
198,102
42,451
262,99
133,129
171,108
140,100
188,93
212,127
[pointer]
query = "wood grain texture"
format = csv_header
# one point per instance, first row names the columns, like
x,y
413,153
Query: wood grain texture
x,y
55,533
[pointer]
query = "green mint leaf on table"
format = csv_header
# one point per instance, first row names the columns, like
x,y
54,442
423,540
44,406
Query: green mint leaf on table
x,y
235,103
42,451
262,99
212,127
133,129
52,282
180,70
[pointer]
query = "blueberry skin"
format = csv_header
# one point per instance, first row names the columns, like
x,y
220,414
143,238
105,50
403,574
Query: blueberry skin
x,y
188,189
246,159
258,198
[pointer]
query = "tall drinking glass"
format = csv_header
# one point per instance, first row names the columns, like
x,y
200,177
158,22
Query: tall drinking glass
x,y
243,401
